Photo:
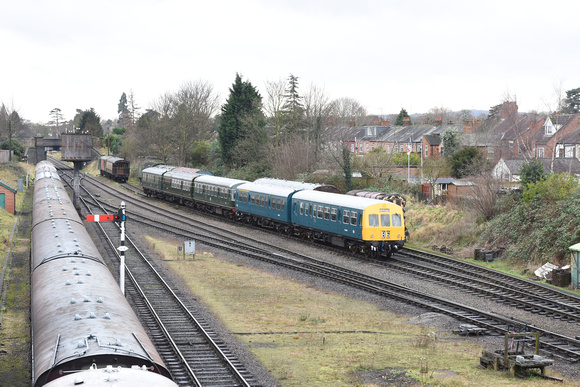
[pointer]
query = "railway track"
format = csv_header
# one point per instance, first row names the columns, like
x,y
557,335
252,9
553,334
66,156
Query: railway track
x,y
191,348
566,347
501,287
192,352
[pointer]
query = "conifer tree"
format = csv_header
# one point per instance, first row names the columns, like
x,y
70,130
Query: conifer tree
x,y
402,114
242,122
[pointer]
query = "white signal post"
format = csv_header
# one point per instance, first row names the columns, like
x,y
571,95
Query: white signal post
x,y
118,217
122,248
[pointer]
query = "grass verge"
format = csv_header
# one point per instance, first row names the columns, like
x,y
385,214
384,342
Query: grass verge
x,y
309,336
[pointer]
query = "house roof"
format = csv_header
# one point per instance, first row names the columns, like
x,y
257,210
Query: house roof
x,y
561,165
7,186
433,140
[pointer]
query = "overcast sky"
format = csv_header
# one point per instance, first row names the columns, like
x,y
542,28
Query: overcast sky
x,y
385,54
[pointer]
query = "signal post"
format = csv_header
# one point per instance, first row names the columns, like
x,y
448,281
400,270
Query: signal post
x,y
120,217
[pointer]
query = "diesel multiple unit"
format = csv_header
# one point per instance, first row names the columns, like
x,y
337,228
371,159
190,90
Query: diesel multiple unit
x,y
363,225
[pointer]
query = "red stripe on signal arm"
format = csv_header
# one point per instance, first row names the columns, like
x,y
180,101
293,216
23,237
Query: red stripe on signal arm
x,y
100,218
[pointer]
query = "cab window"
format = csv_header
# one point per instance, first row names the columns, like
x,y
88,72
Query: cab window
x,y
397,220
385,220
374,220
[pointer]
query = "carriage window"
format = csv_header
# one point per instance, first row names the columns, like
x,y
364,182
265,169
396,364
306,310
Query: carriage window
x,y
253,198
345,216
353,218
301,208
279,204
374,220
333,214
283,204
326,213
320,212
385,220
397,220
306,210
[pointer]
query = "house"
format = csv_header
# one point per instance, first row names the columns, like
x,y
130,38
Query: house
x,y
7,197
509,170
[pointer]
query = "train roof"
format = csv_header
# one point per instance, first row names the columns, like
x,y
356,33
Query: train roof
x,y
299,185
218,180
267,189
184,175
112,159
341,200
123,377
158,170
45,169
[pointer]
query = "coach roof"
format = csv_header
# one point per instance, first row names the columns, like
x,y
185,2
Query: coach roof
x,y
333,199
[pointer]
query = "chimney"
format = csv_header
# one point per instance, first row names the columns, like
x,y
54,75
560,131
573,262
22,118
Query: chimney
x,y
387,122
470,125
509,108
438,121
406,121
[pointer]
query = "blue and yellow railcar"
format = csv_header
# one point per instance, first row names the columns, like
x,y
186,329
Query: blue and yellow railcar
x,y
368,226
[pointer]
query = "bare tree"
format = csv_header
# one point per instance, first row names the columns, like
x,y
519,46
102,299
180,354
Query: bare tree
x,y
292,157
486,189
441,113
275,101
133,108
57,118
378,164
152,136
347,112
434,168
559,97
194,105
316,110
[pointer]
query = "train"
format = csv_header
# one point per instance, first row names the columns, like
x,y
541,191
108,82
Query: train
x,y
83,329
114,168
362,225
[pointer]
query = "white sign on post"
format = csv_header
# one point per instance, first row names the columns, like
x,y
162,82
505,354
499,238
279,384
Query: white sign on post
x,y
189,248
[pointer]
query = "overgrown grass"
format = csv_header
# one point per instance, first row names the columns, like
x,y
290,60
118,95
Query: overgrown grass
x,y
310,336
15,332
439,225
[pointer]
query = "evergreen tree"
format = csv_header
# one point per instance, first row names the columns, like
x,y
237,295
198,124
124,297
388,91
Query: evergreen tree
x,y
242,123
402,114
123,110
572,101
293,108
451,142
91,123
532,172
463,161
